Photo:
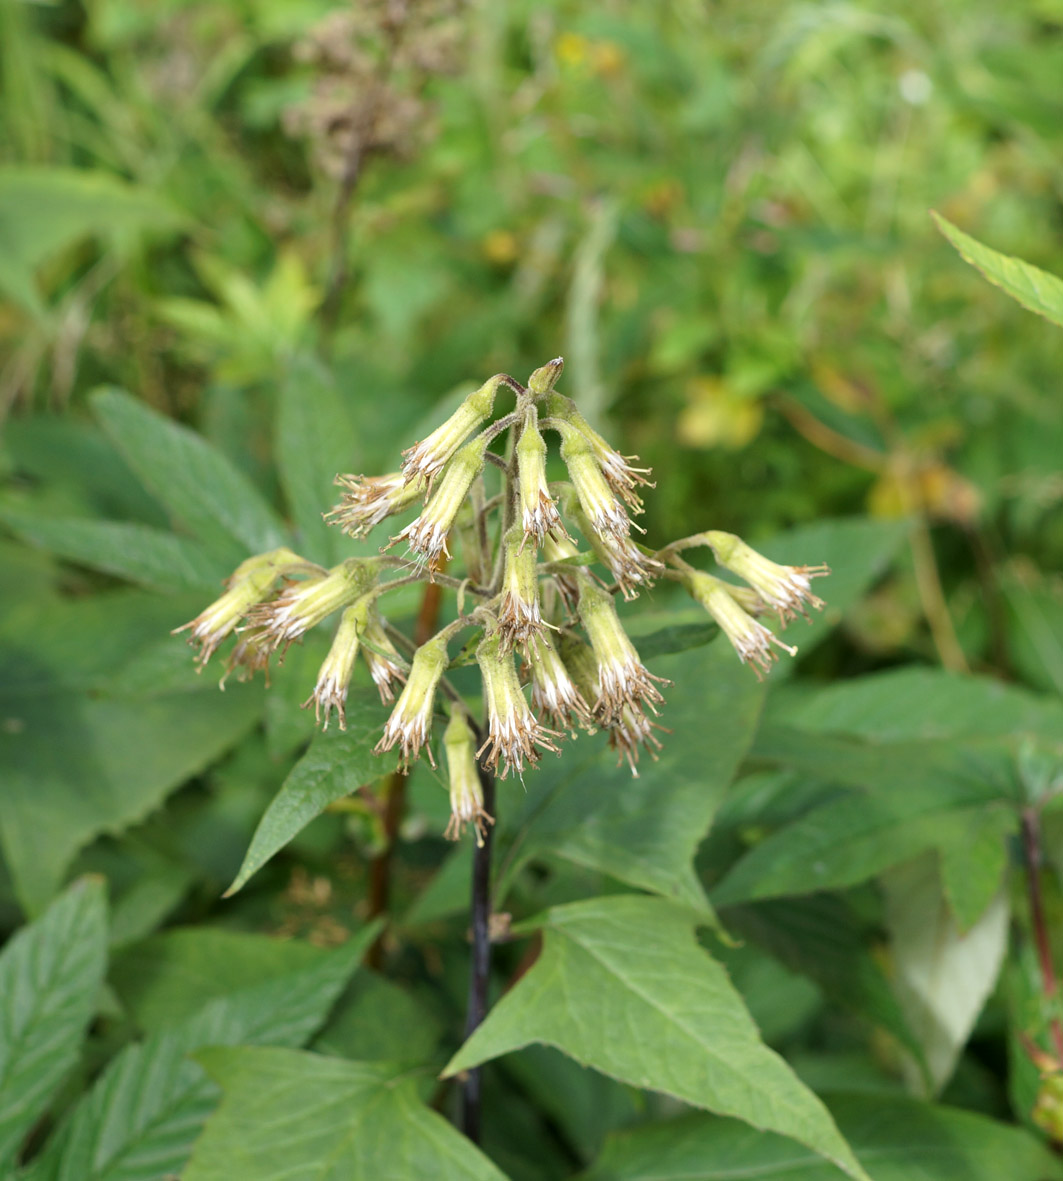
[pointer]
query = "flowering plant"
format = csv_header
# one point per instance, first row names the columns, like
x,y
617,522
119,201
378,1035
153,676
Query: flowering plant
x,y
545,608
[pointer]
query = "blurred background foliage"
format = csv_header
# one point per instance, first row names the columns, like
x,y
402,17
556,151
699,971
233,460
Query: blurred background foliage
x,y
717,212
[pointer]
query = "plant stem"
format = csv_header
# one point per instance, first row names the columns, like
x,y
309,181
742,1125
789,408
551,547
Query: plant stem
x,y
480,958
1031,843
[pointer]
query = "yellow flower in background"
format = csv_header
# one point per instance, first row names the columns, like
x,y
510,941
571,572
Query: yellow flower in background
x,y
716,416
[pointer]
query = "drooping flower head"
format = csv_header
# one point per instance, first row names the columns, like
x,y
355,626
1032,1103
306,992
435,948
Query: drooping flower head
x,y
304,605
466,790
785,589
520,618
514,733
427,535
750,639
619,471
631,568
334,678
410,725
385,664
249,584
371,499
603,511
538,512
554,694
622,677
630,730
426,459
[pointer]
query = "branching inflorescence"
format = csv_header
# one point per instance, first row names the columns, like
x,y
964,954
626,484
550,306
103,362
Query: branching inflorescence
x,y
545,616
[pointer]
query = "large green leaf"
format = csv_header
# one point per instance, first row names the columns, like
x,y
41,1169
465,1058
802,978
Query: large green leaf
x,y
1035,289
917,703
913,796
645,830
197,484
50,973
622,986
43,210
139,553
896,1139
140,1119
77,766
170,976
337,763
292,1115
314,441
79,758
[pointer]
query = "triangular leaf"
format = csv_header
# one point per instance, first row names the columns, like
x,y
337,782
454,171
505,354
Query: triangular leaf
x,y
622,986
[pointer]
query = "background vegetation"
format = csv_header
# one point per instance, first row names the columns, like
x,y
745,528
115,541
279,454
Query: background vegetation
x,y
303,231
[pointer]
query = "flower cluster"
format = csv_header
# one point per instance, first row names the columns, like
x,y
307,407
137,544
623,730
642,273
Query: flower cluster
x,y
542,591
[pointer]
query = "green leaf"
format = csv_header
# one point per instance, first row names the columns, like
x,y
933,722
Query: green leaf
x,y
337,763
645,830
622,986
287,1114
170,976
897,1139
917,703
974,859
79,763
314,441
913,796
942,977
45,209
50,974
140,1119
1035,289
378,1020
139,553
198,485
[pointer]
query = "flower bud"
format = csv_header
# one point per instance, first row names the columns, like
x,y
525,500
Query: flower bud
x,y
304,605
750,639
538,512
785,589
622,678
248,585
466,790
514,733
519,617
385,663
428,458
600,506
410,724
543,380
333,681
554,694
370,499
427,535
